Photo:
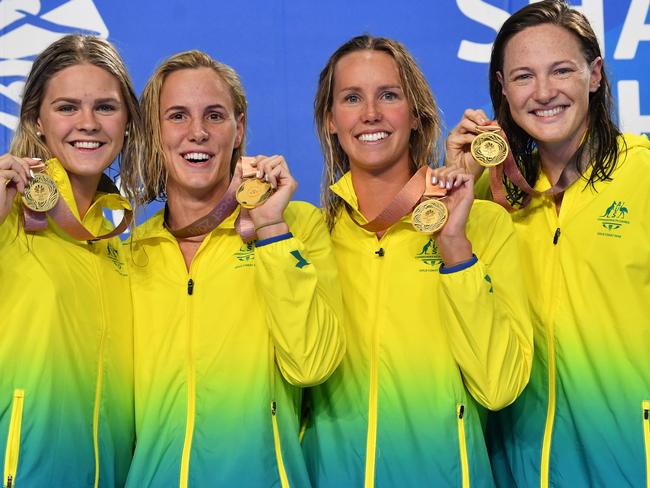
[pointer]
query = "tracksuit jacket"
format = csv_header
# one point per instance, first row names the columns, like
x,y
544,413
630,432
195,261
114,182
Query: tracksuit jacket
x,y
66,353
222,351
583,419
427,350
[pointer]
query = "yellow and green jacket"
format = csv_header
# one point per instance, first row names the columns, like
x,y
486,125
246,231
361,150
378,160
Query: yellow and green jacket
x,y
223,350
426,352
66,353
583,419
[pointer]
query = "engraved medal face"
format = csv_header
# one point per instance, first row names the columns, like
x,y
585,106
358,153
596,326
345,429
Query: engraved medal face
x,y
253,192
489,149
41,194
429,216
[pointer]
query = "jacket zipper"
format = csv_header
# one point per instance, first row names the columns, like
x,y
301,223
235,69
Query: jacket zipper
x,y
278,447
373,398
462,444
99,386
646,438
191,394
13,438
545,460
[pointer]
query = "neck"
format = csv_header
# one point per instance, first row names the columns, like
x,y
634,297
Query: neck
x,y
83,190
186,206
376,190
554,157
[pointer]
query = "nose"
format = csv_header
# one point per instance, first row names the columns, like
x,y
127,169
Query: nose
x,y
371,112
197,131
88,120
545,90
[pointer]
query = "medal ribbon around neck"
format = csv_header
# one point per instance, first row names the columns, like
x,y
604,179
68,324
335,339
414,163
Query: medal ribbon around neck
x,y
509,167
35,212
416,189
225,206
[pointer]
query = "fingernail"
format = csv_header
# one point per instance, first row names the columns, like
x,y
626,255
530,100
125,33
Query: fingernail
x,y
434,180
31,173
449,185
36,159
442,184
259,173
266,178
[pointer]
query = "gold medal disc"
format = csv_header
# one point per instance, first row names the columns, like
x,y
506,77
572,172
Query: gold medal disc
x,y
430,216
41,194
253,192
489,149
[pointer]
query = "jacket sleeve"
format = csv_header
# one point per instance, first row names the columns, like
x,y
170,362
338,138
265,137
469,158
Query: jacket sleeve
x,y
485,311
298,279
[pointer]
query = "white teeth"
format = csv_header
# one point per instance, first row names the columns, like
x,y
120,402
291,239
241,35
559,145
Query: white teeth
x,y
196,156
87,144
375,136
550,112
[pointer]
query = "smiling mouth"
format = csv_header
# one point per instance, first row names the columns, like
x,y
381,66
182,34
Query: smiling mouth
x,y
196,157
373,136
550,112
86,144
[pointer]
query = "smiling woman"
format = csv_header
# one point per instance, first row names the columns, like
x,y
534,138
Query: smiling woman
x,y
236,309
66,362
437,321
583,419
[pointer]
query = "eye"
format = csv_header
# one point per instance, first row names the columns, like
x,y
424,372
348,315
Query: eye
x,y
390,96
216,116
351,98
66,108
176,116
106,108
522,77
563,71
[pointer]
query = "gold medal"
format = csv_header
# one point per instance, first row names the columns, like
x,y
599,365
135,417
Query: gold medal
x,y
253,192
41,194
489,149
429,216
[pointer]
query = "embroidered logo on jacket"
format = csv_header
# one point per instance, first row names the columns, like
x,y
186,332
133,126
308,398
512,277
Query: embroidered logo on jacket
x,y
114,255
302,262
614,218
430,257
245,256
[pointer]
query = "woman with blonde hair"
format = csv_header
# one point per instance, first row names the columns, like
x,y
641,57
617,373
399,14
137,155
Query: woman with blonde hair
x,y
437,321
66,362
236,308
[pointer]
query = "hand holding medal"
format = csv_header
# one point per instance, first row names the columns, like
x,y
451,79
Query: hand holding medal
x,y
16,176
265,192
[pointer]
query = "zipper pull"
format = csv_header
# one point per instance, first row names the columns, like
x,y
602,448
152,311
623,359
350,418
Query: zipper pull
x,y
645,414
190,286
10,480
274,408
461,411
556,237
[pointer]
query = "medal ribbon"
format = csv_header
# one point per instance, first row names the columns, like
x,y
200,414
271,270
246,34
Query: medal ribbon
x,y
207,223
568,176
417,188
68,222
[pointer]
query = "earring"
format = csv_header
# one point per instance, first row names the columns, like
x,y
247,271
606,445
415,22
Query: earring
x,y
39,133
126,133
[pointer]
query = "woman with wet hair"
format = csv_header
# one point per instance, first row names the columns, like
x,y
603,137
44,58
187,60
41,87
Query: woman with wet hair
x,y
66,354
583,216
437,321
236,306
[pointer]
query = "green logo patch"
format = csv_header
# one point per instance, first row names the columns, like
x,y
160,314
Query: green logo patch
x,y
429,257
613,219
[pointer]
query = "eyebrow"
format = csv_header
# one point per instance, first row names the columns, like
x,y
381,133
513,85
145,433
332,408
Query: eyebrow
x,y
379,88
76,100
183,107
556,63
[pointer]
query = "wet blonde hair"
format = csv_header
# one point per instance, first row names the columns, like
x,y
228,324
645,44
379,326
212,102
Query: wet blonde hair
x,y
151,175
424,140
72,50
